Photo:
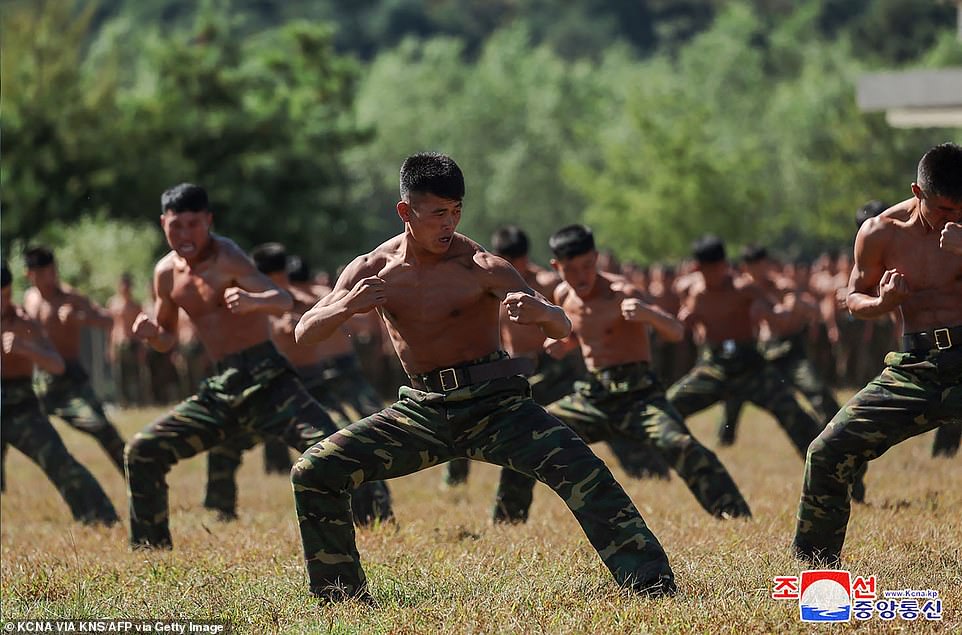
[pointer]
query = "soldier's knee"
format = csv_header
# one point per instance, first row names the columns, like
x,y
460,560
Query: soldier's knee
x,y
145,449
319,473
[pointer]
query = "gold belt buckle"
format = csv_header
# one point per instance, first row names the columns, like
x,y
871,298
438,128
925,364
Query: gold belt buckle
x,y
938,333
454,379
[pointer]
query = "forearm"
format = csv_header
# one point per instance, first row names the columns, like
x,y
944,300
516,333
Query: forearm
x,y
866,307
556,324
668,327
320,322
274,302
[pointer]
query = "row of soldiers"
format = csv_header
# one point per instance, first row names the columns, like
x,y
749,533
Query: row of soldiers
x,y
286,368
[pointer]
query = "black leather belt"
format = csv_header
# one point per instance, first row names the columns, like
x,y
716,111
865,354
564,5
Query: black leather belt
x,y
936,339
448,379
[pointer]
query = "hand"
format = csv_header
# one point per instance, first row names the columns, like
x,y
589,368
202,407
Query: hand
x,y
144,328
557,349
523,308
634,310
892,289
367,293
68,312
841,298
238,301
11,343
951,238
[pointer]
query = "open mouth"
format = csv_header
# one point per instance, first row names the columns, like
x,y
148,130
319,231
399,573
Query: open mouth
x,y
186,248
445,240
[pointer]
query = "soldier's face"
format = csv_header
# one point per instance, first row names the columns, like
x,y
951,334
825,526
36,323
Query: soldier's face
x,y
937,210
43,277
579,272
187,233
431,220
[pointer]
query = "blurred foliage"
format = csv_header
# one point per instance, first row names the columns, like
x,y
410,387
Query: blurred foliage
x,y
93,252
653,120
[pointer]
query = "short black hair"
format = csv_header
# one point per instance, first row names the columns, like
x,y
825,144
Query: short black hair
x,y
940,171
5,276
185,197
270,257
509,241
432,173
754,253
297,269
571,241
869,210
38,257
708,249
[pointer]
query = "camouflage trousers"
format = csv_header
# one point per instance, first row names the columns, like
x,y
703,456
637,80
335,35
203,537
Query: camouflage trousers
x,y
789,356
947,439
551,381
71,397
739,371
916,392
254,393
629,401
26,428
346,396
494,421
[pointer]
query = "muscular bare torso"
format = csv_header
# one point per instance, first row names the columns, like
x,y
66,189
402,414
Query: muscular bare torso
x,y
17,322
123,312
440,313
933,275
50,312
724,313
606,338
199,291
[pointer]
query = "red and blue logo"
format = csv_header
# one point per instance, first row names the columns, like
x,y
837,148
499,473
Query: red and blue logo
x,y
825,596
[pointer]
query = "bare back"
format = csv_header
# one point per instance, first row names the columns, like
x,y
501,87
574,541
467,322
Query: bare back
x,y
606,337
897,239
199,291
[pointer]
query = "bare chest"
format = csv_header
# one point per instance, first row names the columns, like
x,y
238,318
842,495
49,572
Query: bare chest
x,y
199,293
445,292
924,264
594,319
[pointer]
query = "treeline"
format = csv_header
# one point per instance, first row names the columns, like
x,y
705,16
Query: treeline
x,y
661,121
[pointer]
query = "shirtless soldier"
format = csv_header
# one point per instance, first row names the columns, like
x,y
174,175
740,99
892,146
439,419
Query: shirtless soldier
x,y
621,394
126,351
908,258
63,313
253,390
726,309
331,373
25,426
440,293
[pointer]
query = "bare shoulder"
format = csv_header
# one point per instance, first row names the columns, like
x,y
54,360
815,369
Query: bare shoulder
x,y
230,254
561,292
370,264
166,263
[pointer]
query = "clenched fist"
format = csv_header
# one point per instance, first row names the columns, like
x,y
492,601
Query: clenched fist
x,y
634,310
951,238
238,301
892,289
523,308
367,293
144,328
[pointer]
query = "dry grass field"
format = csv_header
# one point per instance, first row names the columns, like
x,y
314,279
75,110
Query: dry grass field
x,y
445,568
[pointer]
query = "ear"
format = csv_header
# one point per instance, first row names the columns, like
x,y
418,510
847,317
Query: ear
x,y
917,191
555,265
404,210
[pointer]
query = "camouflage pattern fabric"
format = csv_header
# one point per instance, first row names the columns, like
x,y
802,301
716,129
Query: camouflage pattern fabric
x,y
26,428
916,392
253,394
496,422
345,396
628,400
71,397
947,439
789,355
738,371
551,381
